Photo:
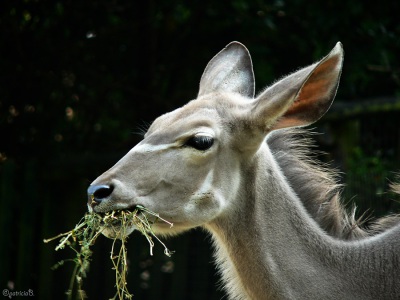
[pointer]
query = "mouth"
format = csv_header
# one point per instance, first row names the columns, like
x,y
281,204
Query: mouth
x,y
121,223
118,223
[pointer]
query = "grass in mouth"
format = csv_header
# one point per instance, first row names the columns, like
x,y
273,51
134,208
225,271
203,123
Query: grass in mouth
x,y
117,224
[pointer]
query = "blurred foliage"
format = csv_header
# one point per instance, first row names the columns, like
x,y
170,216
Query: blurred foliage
x,y
366,178
80,79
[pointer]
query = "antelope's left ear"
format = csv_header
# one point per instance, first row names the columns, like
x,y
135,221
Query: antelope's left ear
x,y
231,70
301,98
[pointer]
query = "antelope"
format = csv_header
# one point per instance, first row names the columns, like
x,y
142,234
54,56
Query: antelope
x,y
239,166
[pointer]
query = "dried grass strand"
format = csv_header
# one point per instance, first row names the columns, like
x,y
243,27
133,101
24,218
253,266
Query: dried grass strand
x,y
86,232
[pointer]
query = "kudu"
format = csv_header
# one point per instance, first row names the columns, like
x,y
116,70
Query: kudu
x,y
238,166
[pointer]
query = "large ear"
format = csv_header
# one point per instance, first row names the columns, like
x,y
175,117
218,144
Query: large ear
x,y
230,70
301,98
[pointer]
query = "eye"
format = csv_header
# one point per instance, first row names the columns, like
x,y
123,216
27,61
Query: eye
x,y
200,142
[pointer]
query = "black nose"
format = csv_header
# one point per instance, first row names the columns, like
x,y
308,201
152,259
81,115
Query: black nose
x,y
97,193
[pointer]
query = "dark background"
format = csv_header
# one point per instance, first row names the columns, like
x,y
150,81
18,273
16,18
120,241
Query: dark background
x,y
79,81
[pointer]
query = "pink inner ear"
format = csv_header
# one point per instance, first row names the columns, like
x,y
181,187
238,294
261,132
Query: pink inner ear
x,y
315,96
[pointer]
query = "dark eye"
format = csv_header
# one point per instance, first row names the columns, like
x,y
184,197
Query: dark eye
x,y
200,142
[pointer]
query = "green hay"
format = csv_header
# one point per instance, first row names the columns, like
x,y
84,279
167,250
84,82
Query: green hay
x,y
90,227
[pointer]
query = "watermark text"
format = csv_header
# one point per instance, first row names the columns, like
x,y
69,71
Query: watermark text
x,y
11,294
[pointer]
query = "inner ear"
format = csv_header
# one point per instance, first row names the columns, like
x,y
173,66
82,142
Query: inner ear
x,y
301,98
231,70
315,96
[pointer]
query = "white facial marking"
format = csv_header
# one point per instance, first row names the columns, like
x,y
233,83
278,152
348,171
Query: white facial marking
x,y
208,183
151,148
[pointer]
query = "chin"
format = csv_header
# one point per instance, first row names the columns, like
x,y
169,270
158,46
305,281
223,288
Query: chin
x,y
165,230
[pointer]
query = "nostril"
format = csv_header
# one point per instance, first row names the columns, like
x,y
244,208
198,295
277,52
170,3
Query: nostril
x,y
103,192
97,193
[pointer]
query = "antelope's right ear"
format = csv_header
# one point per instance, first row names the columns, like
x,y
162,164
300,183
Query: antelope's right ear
x,y
231,70
301,98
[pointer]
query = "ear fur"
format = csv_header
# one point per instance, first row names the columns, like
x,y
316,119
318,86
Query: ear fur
x,y
301,98
231,70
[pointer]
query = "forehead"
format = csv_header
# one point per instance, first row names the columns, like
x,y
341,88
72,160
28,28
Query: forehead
x,y
213,112
185,116
182,121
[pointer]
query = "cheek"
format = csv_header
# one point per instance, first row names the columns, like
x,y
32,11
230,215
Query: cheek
x,y
188,173
170,191
180,189
206,202
191,202
204,207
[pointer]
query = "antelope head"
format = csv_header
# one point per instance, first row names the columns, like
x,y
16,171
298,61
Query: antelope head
x,y
190,166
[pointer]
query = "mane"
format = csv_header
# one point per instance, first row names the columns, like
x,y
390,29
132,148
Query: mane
x,y
318,186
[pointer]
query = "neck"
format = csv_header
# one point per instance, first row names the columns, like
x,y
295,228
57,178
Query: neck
x,y
269,248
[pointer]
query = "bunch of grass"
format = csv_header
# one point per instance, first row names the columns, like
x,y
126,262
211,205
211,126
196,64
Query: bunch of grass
x,y
118,225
